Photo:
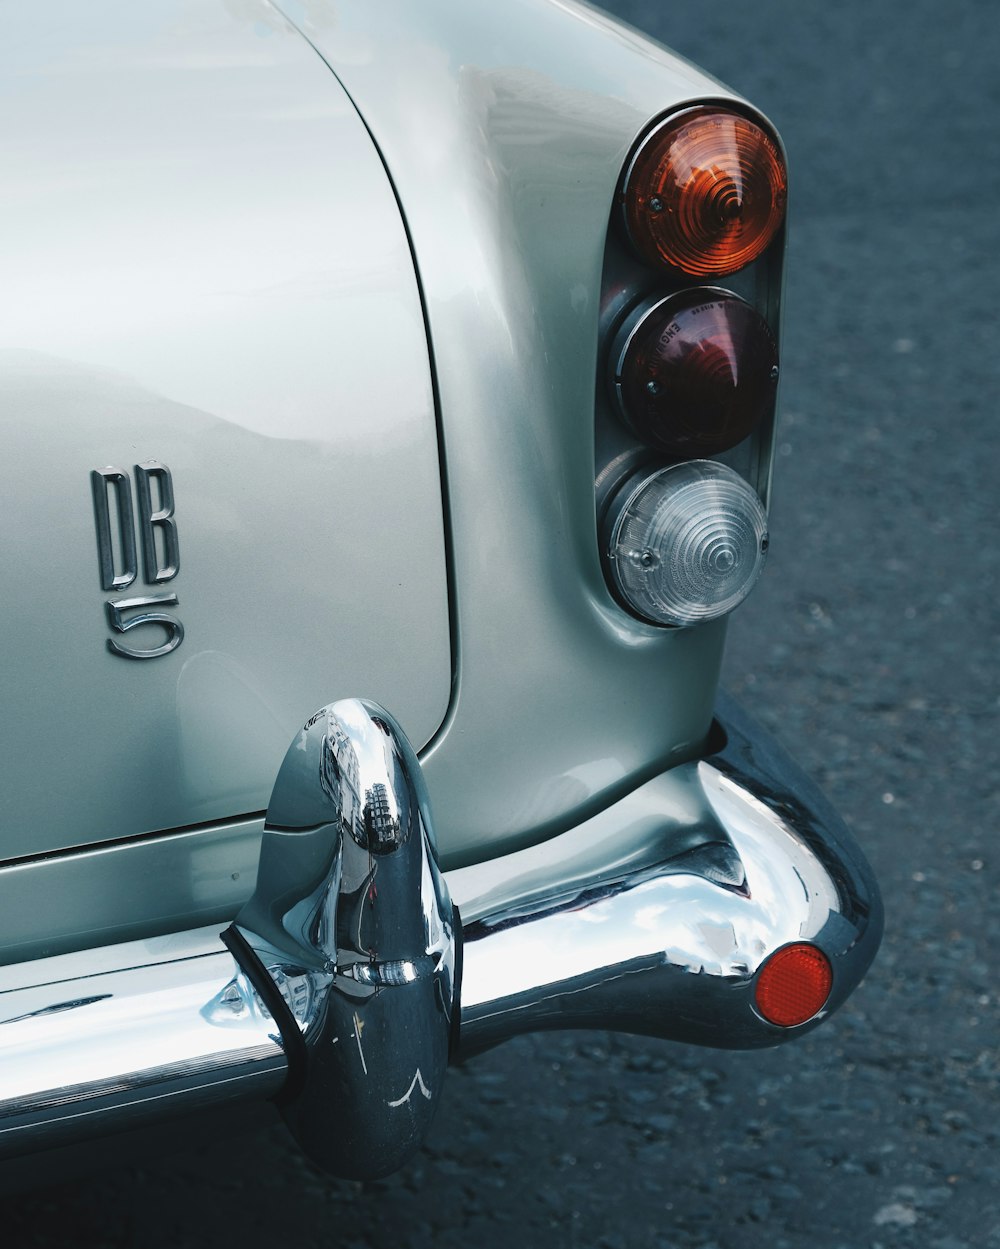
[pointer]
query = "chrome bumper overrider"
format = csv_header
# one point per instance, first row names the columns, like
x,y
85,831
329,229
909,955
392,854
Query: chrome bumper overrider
x,y
347,983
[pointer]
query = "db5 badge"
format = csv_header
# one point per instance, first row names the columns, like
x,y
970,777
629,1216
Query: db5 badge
x,y
117,552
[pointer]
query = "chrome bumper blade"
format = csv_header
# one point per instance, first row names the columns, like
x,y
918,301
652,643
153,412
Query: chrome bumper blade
x,y
668,918
339,994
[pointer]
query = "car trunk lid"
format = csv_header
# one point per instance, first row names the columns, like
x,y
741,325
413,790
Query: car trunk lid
x,y
207,290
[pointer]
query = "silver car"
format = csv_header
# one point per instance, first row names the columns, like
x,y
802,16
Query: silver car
x,y
388,394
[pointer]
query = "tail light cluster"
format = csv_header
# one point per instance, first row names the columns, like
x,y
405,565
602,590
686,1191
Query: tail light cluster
x,y
693,364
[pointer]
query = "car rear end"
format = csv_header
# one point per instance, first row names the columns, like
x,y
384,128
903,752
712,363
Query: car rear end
x,y
428,356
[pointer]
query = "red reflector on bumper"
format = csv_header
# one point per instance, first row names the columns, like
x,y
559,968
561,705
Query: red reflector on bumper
x,y
793,985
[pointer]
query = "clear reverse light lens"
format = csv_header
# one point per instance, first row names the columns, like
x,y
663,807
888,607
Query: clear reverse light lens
x,y
686,543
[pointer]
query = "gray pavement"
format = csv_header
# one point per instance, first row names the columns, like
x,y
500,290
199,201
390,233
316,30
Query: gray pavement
x,y
871,649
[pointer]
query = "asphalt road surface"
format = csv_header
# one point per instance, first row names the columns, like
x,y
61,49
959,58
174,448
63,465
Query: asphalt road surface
x,y
870,648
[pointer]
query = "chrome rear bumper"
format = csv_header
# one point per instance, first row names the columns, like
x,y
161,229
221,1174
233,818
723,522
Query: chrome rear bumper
x,y
653,917
710,869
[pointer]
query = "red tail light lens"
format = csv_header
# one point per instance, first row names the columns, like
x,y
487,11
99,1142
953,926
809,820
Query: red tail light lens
x,y
705,192
793,985
696,372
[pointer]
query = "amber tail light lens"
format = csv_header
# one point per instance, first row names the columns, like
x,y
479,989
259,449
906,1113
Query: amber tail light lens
x,y
694,373
705,192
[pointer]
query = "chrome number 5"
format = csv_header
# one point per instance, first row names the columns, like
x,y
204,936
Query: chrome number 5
x,y
174,628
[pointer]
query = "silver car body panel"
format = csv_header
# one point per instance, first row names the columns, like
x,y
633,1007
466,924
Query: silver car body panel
x,y
504,128
203,265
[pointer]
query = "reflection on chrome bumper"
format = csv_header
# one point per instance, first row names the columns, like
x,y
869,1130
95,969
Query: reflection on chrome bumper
x,y
338,997
670,912
351,941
